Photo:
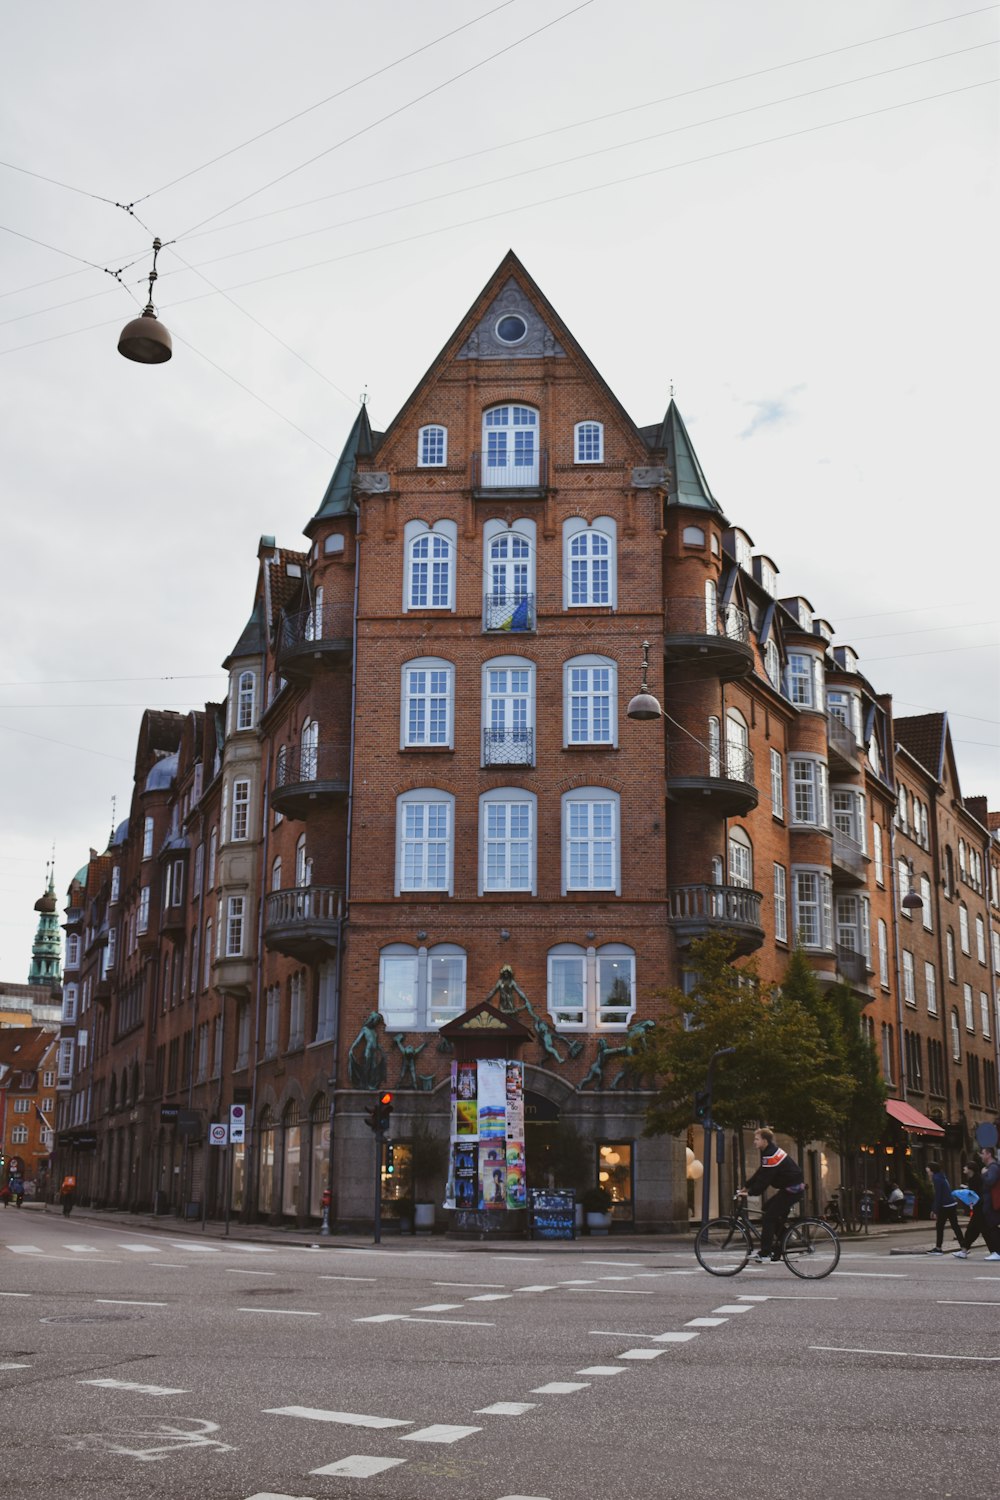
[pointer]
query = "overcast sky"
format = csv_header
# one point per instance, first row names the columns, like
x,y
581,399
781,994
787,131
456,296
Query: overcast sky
x,y
787,210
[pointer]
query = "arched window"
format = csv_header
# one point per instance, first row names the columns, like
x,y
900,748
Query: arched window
x,y
949,871
739,761
430,565
956,1036
509,566
309,751
740,859
432,447
276,874
693,536
711,607
714,747
588,443
590,563
245,694
510,448
319,1152
266,1184
590,701
421,988
303,864
962,859
591,989
428,704
507,841
291,1163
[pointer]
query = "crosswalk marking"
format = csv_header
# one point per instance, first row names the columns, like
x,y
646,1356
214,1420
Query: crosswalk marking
x,y
25,1250
732,1307
438,1307
136,1385
704,1322
542,1287
345,1418
140,1249
641,1353
673,1338
358,1466
196,1249
490,1297
82,1249
601,1370
560,1387
439,1432
506,1409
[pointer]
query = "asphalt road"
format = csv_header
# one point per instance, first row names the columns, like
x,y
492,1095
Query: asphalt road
x,y
137,1364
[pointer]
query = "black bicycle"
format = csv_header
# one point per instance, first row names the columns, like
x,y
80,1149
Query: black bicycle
x,y
808,1247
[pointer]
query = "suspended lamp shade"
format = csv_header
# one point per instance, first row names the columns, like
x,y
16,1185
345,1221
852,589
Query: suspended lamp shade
x,y
644,706
145,339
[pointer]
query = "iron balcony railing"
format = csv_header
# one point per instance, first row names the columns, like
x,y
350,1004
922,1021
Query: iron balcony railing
x,y
842,739
694,616
324,622
303,906
688,759
848,853
714,905
296,765
851,964
508,747
533,475
513,612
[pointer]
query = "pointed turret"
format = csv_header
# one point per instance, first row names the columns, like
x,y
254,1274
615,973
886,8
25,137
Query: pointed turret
x,y
253,641
688,485
46,951
339,500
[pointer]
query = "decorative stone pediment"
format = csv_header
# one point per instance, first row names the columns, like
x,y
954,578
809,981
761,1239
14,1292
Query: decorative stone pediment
x,y
538,342
485,1021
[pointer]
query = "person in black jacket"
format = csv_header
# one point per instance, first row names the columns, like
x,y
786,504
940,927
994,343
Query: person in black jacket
x,y
781,1172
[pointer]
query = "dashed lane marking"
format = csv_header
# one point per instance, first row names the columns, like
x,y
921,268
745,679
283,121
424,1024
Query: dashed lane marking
x,y
704,1322
602,1370
673,1338
127,1302
471,1284
358,1466
82,1249
270,1495
8,1365
618,1291
979,1359
943,1303
342,1418
733,1307
140,1249
439,1432
319,1278
285,1312
540,1287
135,1385
490,1297
506,1409
560,1388
235,1270
194,1249
25,1250
439,1307
641,1353
15,1294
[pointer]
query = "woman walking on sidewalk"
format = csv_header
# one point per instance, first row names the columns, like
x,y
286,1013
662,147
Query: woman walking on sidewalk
x,y
973,1175
990,1200
944,1208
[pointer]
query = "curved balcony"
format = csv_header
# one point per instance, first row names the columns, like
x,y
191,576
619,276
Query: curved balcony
x,y
304,922
847,859
697,910
705,644
306,779
721,782
313,640
843,747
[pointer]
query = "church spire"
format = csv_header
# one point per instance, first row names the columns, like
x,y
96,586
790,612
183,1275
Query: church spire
x,y
46,951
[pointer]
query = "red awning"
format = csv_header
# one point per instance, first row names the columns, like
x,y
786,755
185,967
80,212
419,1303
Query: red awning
x,y
911,1119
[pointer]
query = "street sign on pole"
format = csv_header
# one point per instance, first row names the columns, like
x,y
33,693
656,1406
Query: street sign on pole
x,y
237,1124
218,1135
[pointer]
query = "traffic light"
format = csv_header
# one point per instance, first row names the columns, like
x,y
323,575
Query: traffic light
x,y
384,1112
702,1104
390,1165
372,1117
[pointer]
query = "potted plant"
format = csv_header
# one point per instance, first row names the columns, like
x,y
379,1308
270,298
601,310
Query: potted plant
x,y
428,1158
597,1210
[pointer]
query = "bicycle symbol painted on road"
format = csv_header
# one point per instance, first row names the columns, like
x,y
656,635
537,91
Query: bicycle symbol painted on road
x,y
163,1440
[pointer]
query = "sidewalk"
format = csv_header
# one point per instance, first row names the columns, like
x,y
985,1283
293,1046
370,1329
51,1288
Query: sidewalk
x,y
171,1227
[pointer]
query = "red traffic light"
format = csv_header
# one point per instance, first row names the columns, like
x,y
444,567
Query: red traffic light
x,y
385,1099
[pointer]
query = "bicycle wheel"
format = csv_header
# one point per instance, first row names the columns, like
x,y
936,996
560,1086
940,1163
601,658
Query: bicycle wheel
x,y
810,1249
722,1247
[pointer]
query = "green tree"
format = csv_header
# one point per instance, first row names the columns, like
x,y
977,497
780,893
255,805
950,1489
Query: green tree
x,y
813,1088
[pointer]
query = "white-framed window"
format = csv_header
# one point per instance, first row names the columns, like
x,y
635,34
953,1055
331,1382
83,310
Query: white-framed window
x,y
780,904
234,927
805,680
878,854
69,1004
588,444
143,922
303,863
772,662
428,712
509,569
510,447
956,1036
711,607
809,795
246,693
147,838
903,876
507,841
420,988
116,884
693,536
198,875
883,954
909,986
430,565
73,951
846,706
213,850
309,750
591,989
848,812
924,828
970,1014
714,746
241,810
777,785
853,914
590,563
590,822
984,1013
206,978
740,859
930,988
590,701
995,941
739,761
276,874
19,1135
112,949
425,821
812,906
272,1018
432,447
927,914
963,926
297,1010
949,948
508,712
980,940
962,866
326,1002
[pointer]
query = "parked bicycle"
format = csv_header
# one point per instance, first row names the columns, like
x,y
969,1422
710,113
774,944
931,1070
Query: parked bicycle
x,y
809,1247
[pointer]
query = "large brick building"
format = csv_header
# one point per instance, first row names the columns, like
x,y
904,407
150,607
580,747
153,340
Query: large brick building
x,y
424,771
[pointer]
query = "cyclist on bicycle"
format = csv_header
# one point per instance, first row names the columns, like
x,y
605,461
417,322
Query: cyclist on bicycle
x,y
780,1171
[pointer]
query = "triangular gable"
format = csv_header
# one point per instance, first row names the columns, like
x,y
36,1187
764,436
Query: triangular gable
x,y
484,1020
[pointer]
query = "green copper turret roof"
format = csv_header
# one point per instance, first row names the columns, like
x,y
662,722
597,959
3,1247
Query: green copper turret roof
x,y
339,497
46,952
688,485
253,640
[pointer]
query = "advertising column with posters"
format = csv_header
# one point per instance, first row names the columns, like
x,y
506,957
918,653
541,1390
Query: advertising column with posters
x,y
487,1129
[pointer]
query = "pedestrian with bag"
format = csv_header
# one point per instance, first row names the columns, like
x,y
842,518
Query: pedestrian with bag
x,y
990,1200
68,1193
971,1195
944,1209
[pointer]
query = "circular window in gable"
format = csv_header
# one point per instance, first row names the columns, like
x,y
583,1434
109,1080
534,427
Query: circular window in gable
x,y
511,329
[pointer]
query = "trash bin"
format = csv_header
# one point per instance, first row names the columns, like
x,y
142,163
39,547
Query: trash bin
x,y
192,1210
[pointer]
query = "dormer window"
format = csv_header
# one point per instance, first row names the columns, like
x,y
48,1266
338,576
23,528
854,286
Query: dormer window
x,y
510,447
588,443
432,447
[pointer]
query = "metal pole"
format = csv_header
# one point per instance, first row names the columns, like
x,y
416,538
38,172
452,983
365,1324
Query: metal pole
x,y
706,1181
378,1187
227,1180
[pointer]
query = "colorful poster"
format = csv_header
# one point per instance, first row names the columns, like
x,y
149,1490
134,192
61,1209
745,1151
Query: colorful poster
x,y
516,1194
464,1119
492,1100
492,1174
515,1101
466,1178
